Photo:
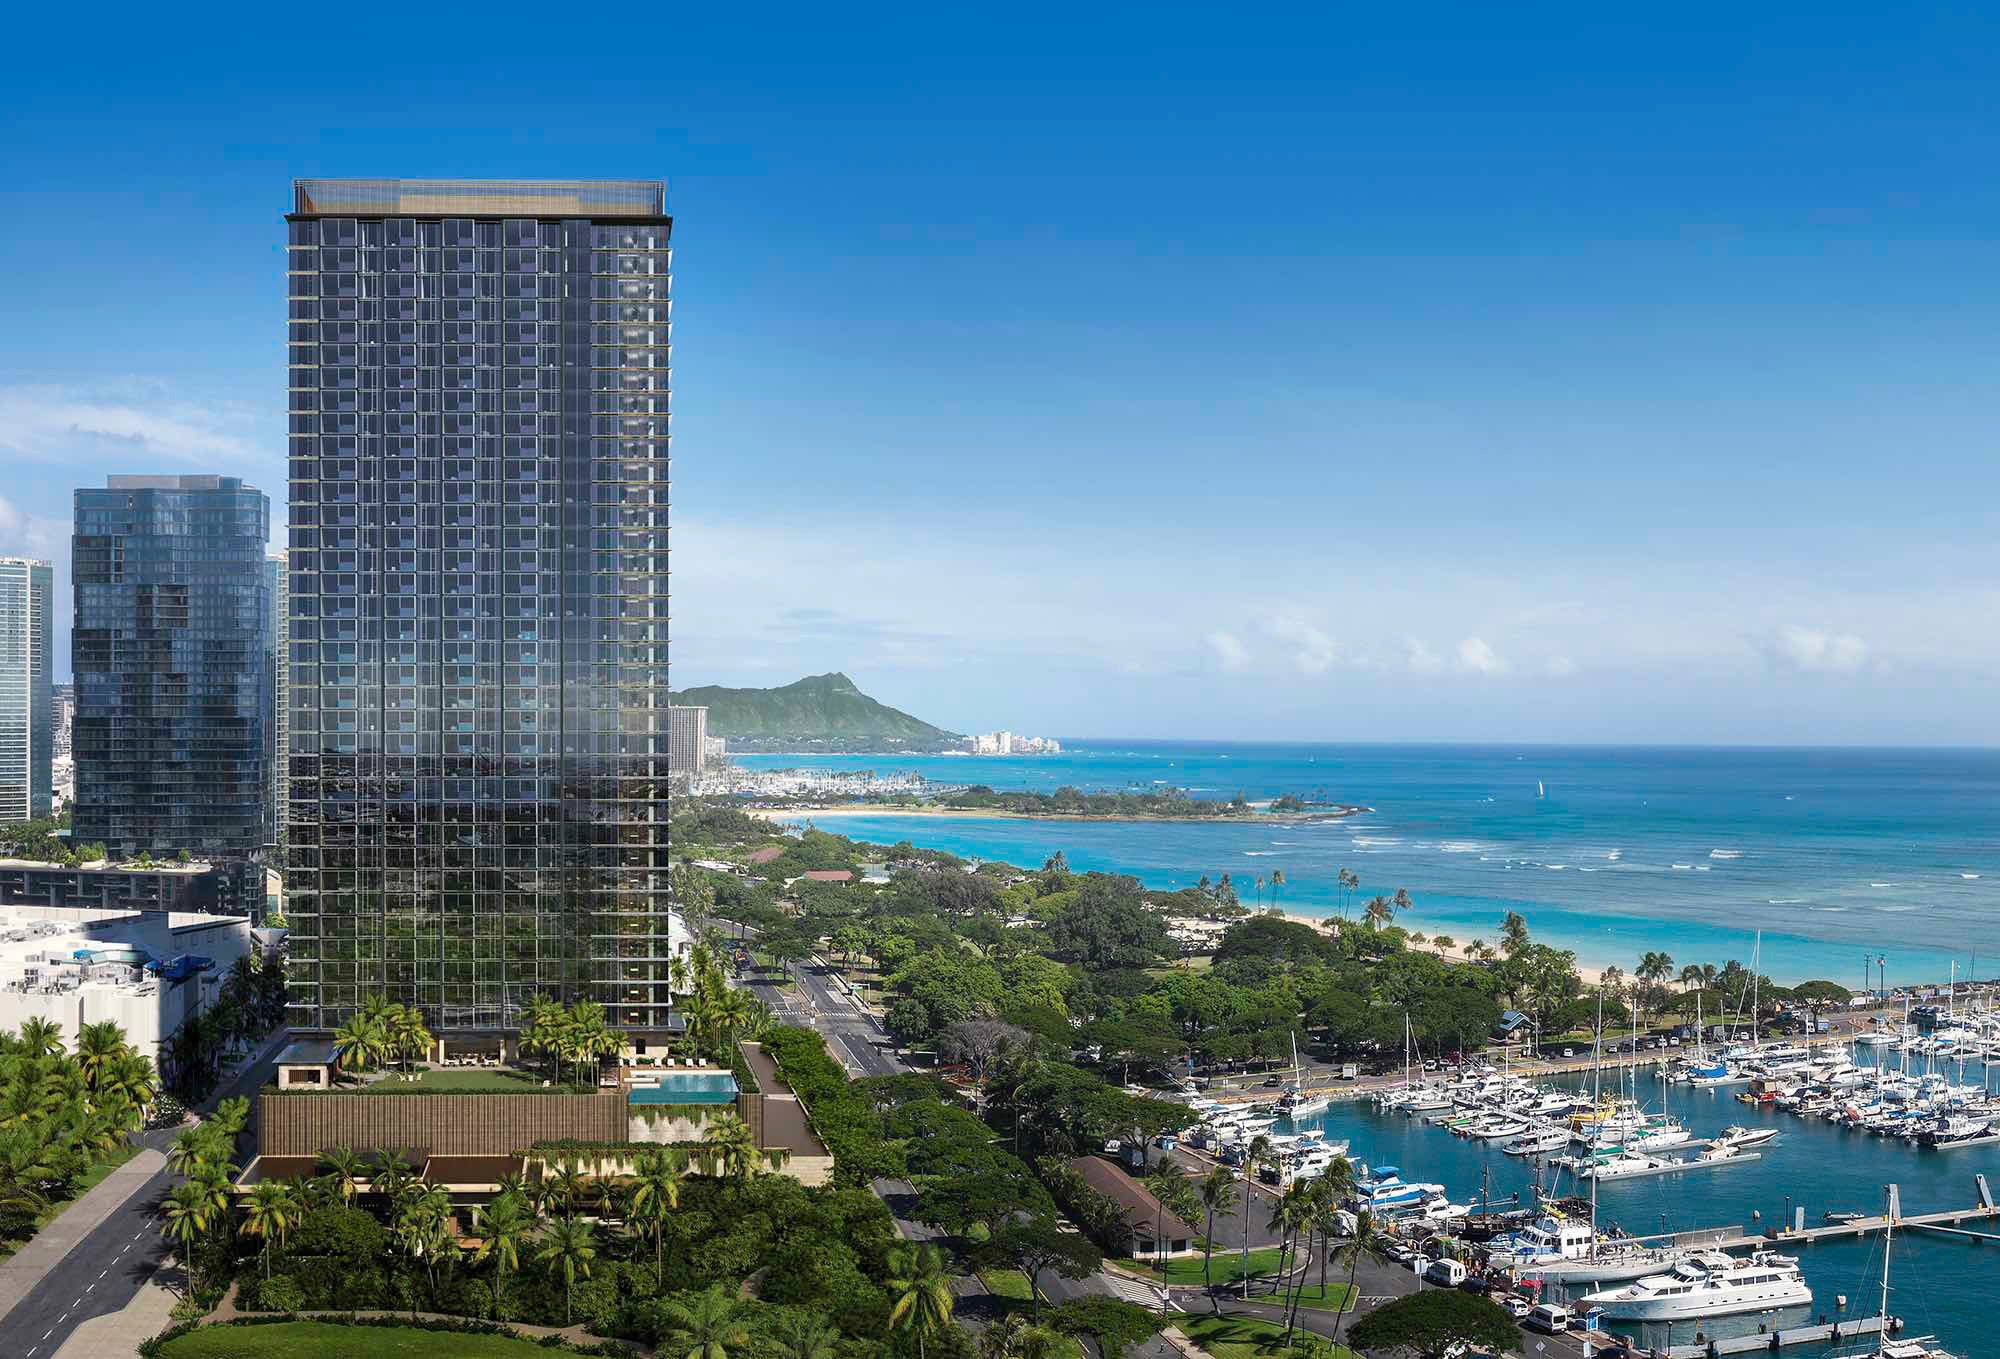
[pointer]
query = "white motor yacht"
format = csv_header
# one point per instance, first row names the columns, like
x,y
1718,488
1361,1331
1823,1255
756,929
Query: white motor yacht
x,y
1710,1284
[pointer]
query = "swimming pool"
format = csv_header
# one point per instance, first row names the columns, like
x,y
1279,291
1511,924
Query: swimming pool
x,y
686,1087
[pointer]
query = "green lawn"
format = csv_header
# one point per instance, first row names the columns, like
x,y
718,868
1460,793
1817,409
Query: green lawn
x,y
1227,1266
1335,1297
1228,1337
470,1080
328,1340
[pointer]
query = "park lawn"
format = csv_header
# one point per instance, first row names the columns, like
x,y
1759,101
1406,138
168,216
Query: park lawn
x,y
1227,1266
330,1340
472,1080
1232,1337
1335,1297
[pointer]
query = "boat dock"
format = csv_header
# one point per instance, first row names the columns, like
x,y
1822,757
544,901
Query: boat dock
x,y
1950,1222
1793,1335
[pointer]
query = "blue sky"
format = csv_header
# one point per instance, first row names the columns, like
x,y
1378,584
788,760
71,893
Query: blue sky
x,y
1332,372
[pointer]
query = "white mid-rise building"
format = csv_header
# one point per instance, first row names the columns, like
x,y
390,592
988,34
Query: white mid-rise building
x,y
145,971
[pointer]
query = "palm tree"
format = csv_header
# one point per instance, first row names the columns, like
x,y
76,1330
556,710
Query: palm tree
x,y
1277,882
1443,943
1218,1195
569,1246
346,1170
1401,901
502,1228
271,1210
1328,1190
358,1043
1367,1242
1348,883
1513,933
656,1190
1654,968
708,1328
567,1184
183,1221
193,1147
544,1029
1378,912
1289,1215
41,1037
1260,1147
423,1229
392,1180
731,1147
921,1287
407,1035
97,1047
804,1337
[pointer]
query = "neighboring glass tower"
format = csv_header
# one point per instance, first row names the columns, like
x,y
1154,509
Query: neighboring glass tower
x,y
27,711
478,555
171,737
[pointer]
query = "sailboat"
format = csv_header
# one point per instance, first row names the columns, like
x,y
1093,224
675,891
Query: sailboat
x,y
1295,1103
1912,1347
1541,789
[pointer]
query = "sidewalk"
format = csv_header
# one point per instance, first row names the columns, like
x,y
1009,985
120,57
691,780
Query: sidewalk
x,y
116,1335
46,1249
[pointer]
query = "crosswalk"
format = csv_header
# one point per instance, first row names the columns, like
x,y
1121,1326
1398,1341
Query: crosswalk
x,y
1130,1290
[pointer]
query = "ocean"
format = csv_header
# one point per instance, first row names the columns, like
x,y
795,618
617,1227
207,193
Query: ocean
x,y
1839,857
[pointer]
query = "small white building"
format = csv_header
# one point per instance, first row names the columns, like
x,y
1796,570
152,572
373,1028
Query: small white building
x,y
145,971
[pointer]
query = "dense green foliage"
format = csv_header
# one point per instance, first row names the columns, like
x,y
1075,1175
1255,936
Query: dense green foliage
x,y
339,1337
820,712
1434,1323
1170,803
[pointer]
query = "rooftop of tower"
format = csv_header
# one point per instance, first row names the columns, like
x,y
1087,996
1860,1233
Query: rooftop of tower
x,y
479,198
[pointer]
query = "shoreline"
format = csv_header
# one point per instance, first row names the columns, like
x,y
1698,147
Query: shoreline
x,y
1591,973
1000,814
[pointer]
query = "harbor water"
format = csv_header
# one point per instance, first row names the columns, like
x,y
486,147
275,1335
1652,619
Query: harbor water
x,y
1938,1285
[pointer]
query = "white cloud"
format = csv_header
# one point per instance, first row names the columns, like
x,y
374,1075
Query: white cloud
x,y
1422,659
1811,649
1475,655
1230,653
28,535
135,420
1561,667
1316,650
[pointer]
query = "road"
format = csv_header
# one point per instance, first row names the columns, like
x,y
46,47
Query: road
x,y
103,1271
855,1038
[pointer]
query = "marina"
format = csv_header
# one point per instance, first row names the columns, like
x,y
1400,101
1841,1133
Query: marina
x,y
1809,1191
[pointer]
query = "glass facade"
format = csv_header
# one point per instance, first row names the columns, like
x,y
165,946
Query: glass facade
x,y
171,736
478,606
27,712
278,581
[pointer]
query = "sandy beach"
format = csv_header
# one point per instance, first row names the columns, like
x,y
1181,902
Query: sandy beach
x,y
1590,973
997,814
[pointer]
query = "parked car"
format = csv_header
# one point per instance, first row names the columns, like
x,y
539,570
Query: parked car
x,y
1515,1305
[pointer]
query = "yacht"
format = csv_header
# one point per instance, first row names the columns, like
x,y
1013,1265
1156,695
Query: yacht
x,y
1538,1142
1621,1166
1708,1285
1657,1136
1736,1135
1296,1104
1956,1130
1384,1190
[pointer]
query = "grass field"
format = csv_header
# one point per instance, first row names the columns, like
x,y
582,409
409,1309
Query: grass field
x,y
328,1340
1227,1266
1228,1337
471,1080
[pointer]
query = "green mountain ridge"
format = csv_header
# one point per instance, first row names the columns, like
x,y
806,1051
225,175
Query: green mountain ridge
x,y
819,712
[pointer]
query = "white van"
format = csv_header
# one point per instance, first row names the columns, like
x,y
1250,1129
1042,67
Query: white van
x,y
1448,1273
1551,1317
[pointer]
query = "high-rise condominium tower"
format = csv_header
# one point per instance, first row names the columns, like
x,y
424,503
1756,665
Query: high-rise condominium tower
x,y
171,735
478,553
27,712
277,580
